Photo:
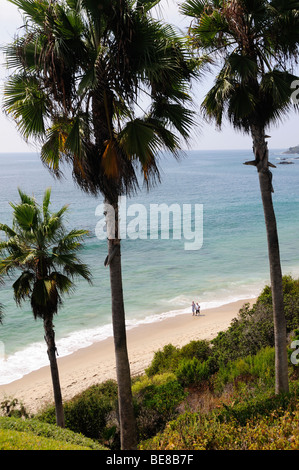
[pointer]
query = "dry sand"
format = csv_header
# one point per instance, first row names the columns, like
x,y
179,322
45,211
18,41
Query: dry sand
x,y
96,363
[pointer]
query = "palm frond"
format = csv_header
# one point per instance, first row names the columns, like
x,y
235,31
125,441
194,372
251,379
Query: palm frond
x,y
54,147
69,243
62,283
193,8
7,230
147,5
35,10
44,299
22,287
26,199
139,140
25,216
46,203
27,103
242,67
174,115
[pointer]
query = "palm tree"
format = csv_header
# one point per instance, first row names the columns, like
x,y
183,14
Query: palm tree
x,y
39,246
103,87
253,44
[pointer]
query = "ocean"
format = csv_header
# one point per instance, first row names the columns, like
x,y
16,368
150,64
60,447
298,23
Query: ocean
x,y
160,276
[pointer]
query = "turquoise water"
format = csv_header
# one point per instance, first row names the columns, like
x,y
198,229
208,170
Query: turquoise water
x,y
160,277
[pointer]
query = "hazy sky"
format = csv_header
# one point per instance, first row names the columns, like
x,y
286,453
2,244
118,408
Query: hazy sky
x,y
206,137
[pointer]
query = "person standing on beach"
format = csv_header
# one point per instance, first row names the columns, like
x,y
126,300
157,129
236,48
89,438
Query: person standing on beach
x,y
193,308
197,309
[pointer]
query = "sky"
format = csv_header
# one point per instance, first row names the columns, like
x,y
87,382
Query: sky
x,y
204,137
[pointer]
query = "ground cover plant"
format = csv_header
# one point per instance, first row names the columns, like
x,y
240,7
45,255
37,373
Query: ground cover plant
x,y
31,434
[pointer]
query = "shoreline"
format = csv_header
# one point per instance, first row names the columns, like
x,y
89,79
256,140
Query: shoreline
x,y
96,363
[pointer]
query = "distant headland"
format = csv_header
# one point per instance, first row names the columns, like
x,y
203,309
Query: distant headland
x,y
292,150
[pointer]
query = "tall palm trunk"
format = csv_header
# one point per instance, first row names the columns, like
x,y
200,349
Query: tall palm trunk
x,y
128,432
260,149
50,340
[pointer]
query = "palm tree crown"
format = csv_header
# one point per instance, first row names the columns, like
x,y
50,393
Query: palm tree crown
x,y
254,44
39,246
84,74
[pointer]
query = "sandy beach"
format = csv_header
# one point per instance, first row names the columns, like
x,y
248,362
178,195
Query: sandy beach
x,y
96,363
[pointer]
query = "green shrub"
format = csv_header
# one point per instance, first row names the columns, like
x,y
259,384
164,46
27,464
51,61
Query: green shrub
x,y
251,331
164,360
164,398
89,412
155,404
167,359
200,349
144,381
260,366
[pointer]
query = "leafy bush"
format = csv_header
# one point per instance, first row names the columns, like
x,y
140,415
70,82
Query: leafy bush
x,y
200,350
248,333
144,381
89,412
156,403
164,398
261,365
168,359
164,360
291,301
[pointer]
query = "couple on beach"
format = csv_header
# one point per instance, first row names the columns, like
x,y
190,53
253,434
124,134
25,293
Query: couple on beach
x,y
195,308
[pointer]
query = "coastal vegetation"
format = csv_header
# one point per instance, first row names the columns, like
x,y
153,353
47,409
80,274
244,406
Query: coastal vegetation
x,y
206,395
103,88
39,246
